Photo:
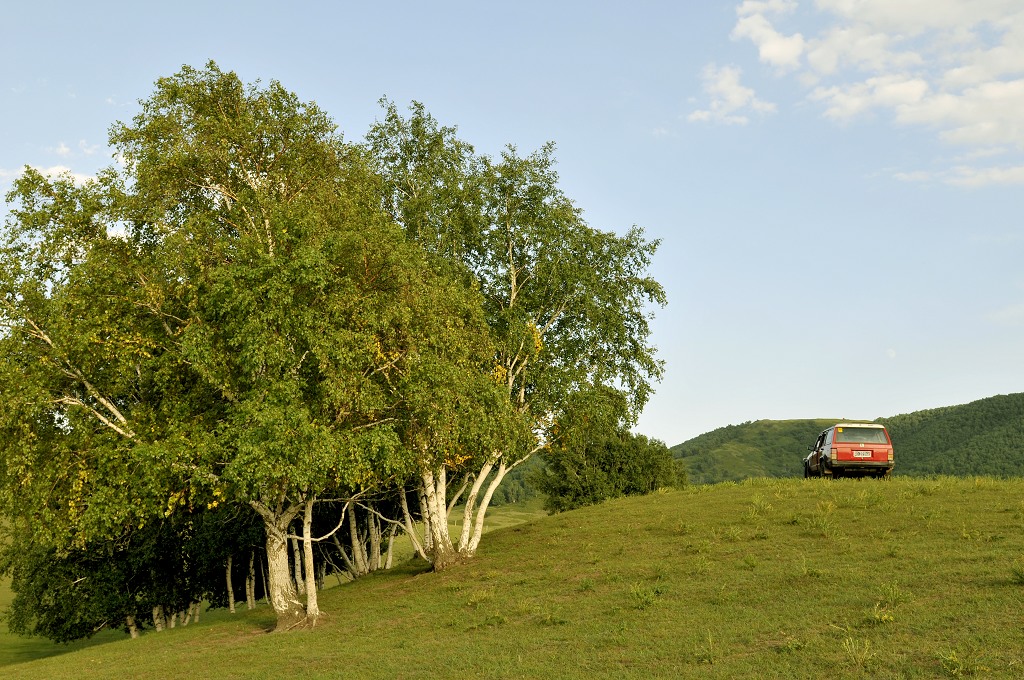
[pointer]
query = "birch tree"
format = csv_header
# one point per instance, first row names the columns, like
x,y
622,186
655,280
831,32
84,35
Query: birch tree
x,y
89,388
227,317
567,306
302,300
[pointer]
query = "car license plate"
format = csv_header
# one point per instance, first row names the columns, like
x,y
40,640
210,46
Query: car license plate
x,y
861,454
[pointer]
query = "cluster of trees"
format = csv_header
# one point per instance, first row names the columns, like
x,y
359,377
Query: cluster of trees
x,y
251,315
595,457
157,574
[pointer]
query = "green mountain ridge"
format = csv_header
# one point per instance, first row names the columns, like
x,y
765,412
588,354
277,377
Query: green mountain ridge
x,y
984,437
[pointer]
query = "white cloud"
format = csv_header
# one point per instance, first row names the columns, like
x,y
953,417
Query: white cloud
x,y
891,91
8,176
773,47
913,17
860,48
969,176
914,176
730,100
955,67
59,170
82,148
749,7
981,117
1012,315
984,152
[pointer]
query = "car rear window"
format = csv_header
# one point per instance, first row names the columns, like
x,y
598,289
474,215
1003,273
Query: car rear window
x,y
866,435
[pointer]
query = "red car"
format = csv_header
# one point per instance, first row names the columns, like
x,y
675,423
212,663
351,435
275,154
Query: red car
x,y
851,450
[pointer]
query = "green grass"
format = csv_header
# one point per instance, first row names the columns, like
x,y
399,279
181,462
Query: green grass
x,y
16,649
905,578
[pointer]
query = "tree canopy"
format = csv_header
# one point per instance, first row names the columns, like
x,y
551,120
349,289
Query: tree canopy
x,y
249,311
567,305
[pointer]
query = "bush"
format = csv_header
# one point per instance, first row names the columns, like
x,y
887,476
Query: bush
x,y
594,456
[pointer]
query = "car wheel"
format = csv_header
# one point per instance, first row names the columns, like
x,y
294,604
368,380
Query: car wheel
x,y
807,470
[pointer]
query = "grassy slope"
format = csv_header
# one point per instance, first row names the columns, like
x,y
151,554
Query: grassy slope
x,y
984,437
19,649
767,578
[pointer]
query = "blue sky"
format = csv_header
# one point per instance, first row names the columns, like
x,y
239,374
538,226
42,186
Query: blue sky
x,y
838,184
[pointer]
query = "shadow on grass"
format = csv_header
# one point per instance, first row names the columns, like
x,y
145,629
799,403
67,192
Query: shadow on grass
x,y
16,649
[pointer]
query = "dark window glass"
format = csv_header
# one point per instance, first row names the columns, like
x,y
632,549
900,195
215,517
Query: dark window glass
x,y
864,435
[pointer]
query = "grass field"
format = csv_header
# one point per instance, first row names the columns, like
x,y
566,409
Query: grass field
x,y
765,578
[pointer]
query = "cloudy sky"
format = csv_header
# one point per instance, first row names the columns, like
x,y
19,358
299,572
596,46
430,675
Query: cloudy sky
x,y
838,184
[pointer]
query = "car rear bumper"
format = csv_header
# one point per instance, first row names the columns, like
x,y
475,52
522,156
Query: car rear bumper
x,y
865,468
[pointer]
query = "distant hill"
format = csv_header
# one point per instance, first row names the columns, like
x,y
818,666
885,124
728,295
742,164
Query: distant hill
x,y
985,437
764,448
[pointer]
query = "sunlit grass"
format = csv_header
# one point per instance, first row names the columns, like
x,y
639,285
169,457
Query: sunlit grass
x,y
767,578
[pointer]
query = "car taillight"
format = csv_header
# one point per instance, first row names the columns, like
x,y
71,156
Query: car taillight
x,y
890,455
833,452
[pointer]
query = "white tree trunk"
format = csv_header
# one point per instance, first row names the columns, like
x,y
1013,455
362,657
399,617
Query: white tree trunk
x,y
312,606
391,545
442,552
410,530
300,583
280,587
133,629
453,499
263,575
478,528
373,528
351,568
158,618
231,588
250,582
428,539
358,549
467,513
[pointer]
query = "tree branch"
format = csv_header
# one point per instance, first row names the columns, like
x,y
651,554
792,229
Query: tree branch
x,y
73,401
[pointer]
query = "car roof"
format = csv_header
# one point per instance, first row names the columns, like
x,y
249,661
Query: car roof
x,y
875,425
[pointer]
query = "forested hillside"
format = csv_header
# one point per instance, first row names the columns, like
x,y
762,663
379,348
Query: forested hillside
x,y
764,448
985,437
